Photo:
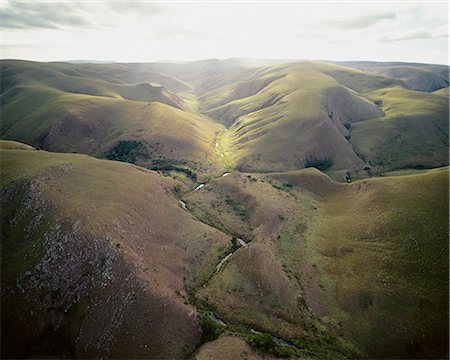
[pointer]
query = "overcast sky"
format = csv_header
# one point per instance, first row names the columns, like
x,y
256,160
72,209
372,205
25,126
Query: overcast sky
x,y
151,31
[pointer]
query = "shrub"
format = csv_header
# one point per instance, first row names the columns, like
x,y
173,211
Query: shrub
x,y
128,151
172,165
262,341
211,330
234,244
282,352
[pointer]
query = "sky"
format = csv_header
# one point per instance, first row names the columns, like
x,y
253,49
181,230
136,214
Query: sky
x,y
142,31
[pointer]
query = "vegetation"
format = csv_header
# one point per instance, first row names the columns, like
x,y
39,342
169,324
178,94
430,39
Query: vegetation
x,y
321,164
352,268
72,210
262,341
211,330
128,151
172,165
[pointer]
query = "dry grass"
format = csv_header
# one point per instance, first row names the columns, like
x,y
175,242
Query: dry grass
x,y
162,250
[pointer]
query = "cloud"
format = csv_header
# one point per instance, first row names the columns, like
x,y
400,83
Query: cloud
x,y
136,8
421,34
361,22
27,15
180,34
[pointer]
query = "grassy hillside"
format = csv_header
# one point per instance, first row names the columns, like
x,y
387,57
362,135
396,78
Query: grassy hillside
x,y
8,144
416,78
421,77
287,117
94,251
412,134
443,92
41,107
339,270
326,238
382,248
280,117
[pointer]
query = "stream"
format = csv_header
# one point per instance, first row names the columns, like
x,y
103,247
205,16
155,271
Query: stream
x,y
242,244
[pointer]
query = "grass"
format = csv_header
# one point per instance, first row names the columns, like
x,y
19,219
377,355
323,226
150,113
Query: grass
x,y
414,132
279,117
40,107
8,144
279,121
367,258
223,150
130,208
285,115
262,286
382,247
340,270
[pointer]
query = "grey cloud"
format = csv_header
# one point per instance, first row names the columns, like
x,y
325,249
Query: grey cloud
x,y
361,22
23,15
418,35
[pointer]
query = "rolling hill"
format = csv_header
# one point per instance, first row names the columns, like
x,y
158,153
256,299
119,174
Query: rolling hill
x,y
93,251
237,208
421,77
280,117
334,268
287,117
47,108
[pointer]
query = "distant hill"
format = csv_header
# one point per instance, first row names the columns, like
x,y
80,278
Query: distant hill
x,y
67,108
280,116
422,77
287,117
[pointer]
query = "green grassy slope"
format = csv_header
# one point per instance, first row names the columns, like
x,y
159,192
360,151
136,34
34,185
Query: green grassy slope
x,y
286,117
8,144
416,78
443,92
382,248
281,117
94,251
102,75
413,133
340,270
41,106
421,77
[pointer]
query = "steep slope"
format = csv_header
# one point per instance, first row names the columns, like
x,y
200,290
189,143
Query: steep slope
x,y
292,116
72,79
280,117
382,248
421,77
338,270
416,78
288,117
56,118
93,252
412,134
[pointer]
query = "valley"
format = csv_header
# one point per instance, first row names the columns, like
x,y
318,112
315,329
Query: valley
x,y
224,209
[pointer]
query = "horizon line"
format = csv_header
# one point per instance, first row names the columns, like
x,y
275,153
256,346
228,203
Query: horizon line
x,y
185,61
